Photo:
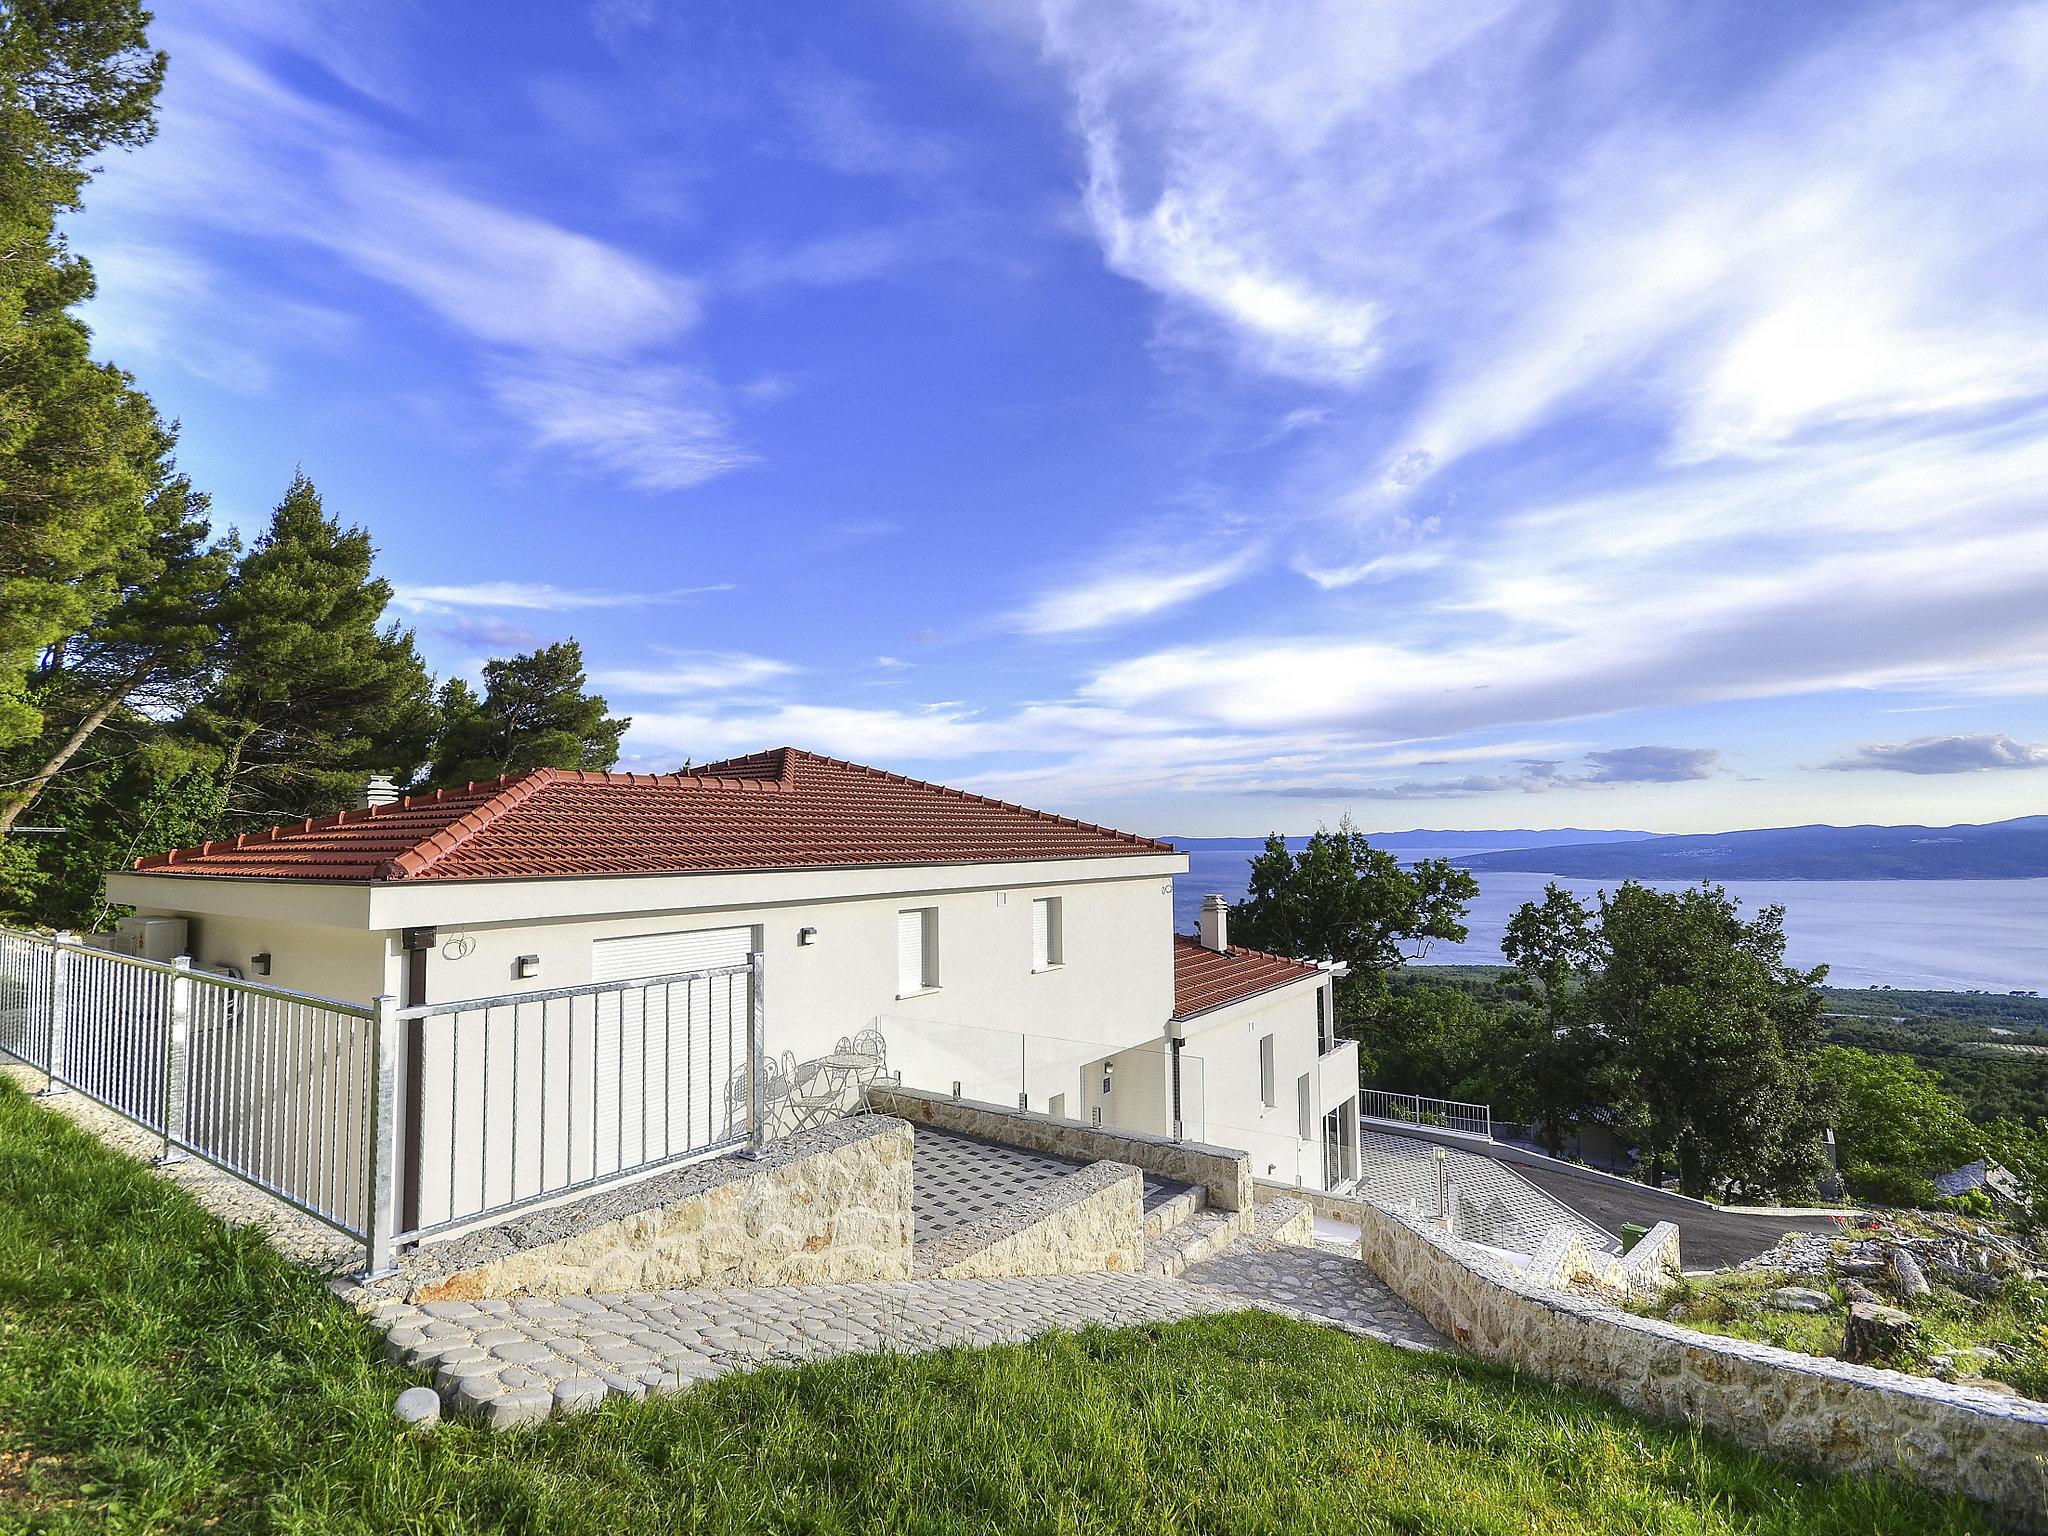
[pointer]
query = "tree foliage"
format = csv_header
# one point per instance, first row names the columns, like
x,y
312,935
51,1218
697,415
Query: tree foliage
x,y
77,443
1340,898
315,689
1895,1125
534,713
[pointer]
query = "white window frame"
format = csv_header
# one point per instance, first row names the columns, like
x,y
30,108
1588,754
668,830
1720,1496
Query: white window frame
x,y
1268,1080
927,919
1048,933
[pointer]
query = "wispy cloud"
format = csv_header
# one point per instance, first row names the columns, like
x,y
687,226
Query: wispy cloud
x,y
688,672
491,635
537,596
1946,754
1137,587
581,341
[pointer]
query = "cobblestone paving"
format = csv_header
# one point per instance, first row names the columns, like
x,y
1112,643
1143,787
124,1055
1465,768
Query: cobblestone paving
x,y
293,1233
515,1362
1320,1284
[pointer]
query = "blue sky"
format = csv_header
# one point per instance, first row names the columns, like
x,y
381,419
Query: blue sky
x,y
1204,418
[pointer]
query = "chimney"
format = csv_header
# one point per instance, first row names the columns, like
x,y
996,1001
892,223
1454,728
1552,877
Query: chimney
x,y
1215,923
379,790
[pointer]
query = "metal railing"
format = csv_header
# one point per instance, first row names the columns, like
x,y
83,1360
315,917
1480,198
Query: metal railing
x,y
1473,1195
532,1096
286,1090
1417,1109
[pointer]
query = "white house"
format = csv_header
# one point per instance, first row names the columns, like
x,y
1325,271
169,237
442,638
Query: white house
x,y
1014,956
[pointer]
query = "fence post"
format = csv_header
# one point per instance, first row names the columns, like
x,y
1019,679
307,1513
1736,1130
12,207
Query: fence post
x,y
379,1202
177,1045
53,1058
757,1055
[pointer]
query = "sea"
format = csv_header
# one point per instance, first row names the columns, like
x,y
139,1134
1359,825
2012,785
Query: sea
x,y
1934,935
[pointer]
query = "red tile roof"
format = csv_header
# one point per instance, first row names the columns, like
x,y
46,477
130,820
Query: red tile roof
x,y
1204,979
784,809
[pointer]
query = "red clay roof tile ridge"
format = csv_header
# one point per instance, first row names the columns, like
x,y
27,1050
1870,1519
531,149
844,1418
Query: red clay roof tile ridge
x,y
430,850
795,753
305,824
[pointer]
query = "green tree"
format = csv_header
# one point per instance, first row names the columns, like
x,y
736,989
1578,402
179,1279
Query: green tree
x,y
150,648
534,713
2021,1149
76,441
1340,898
1566,1073
315,690
1713,1037
1895,1125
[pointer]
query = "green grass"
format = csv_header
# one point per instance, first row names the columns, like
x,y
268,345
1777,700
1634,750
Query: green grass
x,y
159,1372
2014,1321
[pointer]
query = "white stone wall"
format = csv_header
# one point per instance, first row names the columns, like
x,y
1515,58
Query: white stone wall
x,y
1845,1418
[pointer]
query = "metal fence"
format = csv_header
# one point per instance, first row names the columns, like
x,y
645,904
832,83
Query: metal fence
x,y
506,1100
1480,1198
286,1090
530,1096
1416,1109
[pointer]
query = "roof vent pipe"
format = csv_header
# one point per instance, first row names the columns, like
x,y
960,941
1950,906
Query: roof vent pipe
x,y
1215,923
379,790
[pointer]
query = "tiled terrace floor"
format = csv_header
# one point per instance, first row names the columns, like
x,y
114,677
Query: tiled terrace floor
x,y
959,1179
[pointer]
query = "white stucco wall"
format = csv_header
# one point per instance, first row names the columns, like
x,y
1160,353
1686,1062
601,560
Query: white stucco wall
x,y
324,958
1225,1042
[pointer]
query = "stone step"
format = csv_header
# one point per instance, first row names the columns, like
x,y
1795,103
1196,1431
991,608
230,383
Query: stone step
x,y
1200,1237
1284,1219
1168,1214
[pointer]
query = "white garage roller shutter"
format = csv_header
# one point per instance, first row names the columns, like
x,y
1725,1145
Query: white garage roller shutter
x,y
664,954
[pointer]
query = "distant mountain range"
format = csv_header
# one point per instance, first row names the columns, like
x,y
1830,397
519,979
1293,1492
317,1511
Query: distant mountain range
x,y
2000,850
1512,837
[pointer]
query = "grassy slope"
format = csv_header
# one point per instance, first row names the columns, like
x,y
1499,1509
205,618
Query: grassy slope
x,y
159,1372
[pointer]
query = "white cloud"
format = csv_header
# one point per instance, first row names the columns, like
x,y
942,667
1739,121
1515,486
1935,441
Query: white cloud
x,y
580,341
1135,587
687,672
1947,754
537,596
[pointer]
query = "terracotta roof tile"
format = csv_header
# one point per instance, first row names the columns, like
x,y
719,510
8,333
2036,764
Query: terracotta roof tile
x,y
784,809
1204,979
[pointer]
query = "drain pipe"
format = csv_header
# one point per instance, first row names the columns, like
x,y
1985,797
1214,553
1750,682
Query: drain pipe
x,y
1174,1043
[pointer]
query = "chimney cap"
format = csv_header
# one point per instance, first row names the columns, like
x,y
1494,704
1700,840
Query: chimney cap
x,y
1213,927
378,789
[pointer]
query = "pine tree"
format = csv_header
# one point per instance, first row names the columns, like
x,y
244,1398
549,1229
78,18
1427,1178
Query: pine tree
x,y
76,441
316,691
534,713
151,648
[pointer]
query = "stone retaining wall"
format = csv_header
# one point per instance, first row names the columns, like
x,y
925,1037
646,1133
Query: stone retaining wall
x,y
1225,1174
1091,1221
1844,1418
831,1204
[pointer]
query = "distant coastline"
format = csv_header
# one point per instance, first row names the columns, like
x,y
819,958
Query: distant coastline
x,y
2004,850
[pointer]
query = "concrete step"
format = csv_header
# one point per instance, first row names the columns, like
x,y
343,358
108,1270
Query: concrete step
x,y
1200,1237
1168,1214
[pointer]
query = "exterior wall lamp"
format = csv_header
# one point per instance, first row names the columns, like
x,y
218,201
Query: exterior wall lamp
x,y
259,965
526,967
807,935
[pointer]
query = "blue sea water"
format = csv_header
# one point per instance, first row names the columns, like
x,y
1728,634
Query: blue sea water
x,y
1944,935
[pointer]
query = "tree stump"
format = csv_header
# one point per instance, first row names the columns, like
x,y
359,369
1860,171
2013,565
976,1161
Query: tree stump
x,y
1876,1334
1908,1276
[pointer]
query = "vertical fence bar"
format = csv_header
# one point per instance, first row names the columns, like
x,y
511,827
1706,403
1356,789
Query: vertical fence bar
x,y
53,1058
379,1204
757,1055
177,1043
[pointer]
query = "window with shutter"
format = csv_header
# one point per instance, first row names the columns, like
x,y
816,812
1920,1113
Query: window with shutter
x,y
1266,1087
1047,940
1304,1109
916,950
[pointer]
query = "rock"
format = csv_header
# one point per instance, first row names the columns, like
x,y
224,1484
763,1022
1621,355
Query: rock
x,y
1875,1333
1797,1298
420,1406
1986,1384
1863,1267
1908,1276
1855,1290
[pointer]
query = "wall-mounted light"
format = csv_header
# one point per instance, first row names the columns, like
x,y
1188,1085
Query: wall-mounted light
x,y
526,967
1108,1071
807,935
259,965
